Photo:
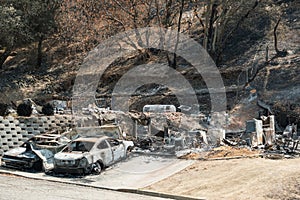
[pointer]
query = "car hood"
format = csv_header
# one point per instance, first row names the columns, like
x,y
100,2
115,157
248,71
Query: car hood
x,y
69,156
15,152
20,152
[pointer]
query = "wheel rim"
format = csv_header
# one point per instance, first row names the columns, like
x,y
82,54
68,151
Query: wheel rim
x,y
97,168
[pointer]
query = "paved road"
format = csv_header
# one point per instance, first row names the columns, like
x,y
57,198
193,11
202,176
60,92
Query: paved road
x,y
15,188
134,173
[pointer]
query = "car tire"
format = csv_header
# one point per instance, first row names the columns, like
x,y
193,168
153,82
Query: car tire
x,y
128,151
97,168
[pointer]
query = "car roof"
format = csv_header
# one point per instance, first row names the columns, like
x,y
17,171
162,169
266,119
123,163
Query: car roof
x,y
91,139
48,136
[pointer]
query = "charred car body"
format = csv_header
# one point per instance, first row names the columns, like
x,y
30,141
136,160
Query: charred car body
x,y
36,153
90,154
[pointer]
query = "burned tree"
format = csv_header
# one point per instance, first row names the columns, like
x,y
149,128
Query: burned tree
x,y
279,53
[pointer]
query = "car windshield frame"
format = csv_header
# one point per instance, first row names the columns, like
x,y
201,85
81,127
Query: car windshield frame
x,y
79,146
29,145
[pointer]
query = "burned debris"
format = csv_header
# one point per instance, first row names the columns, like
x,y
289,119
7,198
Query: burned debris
x,y
260,132
158,131
288,141
163,132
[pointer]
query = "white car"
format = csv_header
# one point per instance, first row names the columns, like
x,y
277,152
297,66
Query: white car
x,y
91,154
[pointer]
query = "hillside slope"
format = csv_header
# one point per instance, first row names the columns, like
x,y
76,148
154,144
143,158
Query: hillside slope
x,y
277,81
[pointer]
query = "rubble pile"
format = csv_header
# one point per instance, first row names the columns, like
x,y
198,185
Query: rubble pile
x,y
286,143
261,134
188,136
226,152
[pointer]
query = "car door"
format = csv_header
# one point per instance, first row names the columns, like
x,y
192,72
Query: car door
x,y
118,149
105,152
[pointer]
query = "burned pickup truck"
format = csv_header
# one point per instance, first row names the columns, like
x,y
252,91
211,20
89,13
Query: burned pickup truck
x,y
36,153
90,155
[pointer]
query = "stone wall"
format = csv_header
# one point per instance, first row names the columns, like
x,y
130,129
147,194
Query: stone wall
x,y
14,131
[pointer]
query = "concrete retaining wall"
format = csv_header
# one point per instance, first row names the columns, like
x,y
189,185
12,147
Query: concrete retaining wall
x,y
14,131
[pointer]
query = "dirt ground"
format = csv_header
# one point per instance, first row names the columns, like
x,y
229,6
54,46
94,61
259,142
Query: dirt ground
x,y
247,178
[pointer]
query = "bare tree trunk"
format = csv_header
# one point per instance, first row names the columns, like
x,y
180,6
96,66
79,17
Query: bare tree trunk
x,y
220,24
278,52
275,36
174,63
135,25
160,25
4,56
208,11
211,26
214,41
169,13
167,23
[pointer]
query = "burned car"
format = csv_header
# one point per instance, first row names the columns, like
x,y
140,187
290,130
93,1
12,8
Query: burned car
x,y
36,154
90,155
53,142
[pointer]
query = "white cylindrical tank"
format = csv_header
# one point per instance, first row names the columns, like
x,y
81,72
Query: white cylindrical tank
x,y
159,108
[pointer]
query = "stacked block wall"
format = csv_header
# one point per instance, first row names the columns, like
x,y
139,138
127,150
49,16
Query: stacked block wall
x,y
14,131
